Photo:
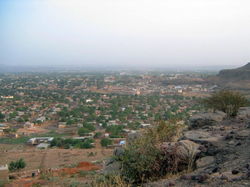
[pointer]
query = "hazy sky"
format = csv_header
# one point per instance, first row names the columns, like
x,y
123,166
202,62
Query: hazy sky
x,y
125,32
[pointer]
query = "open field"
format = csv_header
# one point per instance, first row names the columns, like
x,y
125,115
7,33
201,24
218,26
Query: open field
x,y
50,158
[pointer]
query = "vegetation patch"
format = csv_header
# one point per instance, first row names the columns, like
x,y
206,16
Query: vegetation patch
x,y
143,159
67,143
17,165
226,101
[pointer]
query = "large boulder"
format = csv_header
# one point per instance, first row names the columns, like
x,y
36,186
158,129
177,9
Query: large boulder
x,y
111,167
206,119
118,151
244,113
180,155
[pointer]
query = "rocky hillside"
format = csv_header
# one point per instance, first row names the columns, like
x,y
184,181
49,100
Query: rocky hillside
x,y
242,73
219,148
224,158
235,79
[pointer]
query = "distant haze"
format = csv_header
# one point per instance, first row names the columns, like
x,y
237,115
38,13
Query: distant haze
x,y
127,33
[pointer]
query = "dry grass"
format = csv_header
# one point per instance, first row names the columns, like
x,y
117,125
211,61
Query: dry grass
x,y
110,181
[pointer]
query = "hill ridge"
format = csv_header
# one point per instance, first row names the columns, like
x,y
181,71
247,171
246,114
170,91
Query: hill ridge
x,y
241,73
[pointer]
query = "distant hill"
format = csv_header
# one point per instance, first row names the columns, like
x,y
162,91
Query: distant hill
x,y
242,73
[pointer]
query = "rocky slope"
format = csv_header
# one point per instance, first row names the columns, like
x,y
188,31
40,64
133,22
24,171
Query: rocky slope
x,y
224,158
219,148
238,79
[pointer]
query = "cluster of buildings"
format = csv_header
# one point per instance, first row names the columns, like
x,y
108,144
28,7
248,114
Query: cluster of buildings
x,y
70,100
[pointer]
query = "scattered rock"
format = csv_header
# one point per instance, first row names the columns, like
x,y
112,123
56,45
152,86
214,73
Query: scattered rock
x,y
199,177
244,113
242,134
238,144
216,169
205,161
247,166
231,142
235,172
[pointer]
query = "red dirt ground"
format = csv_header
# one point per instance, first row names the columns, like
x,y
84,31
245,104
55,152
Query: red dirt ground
x,y
82,166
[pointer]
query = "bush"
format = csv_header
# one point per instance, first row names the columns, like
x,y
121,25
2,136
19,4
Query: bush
x,y
83,131
87,144
115,131
89,126
19,164
105,142
226,101
143,159
98,135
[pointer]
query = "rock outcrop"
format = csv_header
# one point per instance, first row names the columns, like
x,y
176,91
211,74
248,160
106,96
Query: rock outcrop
x,y
224,152
206,119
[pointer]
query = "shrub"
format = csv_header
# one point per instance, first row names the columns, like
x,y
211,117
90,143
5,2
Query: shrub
x,y
143,159
83,131
87,144
19,164
226,101
115,131
89,126
105,142
98,135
